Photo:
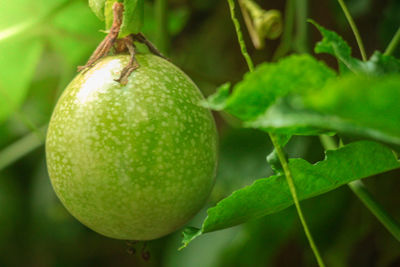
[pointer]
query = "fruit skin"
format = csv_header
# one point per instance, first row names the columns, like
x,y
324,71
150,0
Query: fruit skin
x,y
132,162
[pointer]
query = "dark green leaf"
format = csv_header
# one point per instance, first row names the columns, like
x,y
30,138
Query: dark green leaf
x,y
334,45
269,195
273,161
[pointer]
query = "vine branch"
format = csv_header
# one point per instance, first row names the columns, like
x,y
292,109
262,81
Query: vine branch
x,y
105,46
239,34
277,146
393,44
354,28
365,196
292,188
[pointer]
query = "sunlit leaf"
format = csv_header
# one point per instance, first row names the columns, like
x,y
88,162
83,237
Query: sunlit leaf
x,y
98,7
17,12
74,40
18,61
21,48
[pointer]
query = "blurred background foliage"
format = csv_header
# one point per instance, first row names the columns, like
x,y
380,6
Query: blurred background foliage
x,y
41,44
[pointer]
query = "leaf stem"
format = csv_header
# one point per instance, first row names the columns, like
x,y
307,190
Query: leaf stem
x,y
365,196
385,218
29,124
354,28
277,146
292,188
239,34
393,44
20,148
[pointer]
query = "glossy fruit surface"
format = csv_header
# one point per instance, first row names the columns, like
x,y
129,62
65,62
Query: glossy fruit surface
x,y
132,162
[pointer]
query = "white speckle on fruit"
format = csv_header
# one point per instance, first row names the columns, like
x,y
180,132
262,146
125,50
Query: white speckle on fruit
x,y
132,162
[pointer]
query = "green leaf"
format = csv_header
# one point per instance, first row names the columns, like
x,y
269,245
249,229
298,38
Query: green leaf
x,y
189,233
73,41
334,45
20,22
274,162
18,62
19,12
98,7
270,81
133,17
283,118
108,13
269,195
380,64
217,101
364,101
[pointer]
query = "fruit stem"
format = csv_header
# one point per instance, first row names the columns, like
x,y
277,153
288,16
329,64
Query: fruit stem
x,y
153,49
132,64
105,46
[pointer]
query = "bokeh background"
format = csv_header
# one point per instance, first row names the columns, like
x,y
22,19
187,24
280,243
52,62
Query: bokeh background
x,y
41,44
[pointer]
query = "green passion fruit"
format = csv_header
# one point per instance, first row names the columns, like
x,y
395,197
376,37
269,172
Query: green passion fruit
x,y
134,161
